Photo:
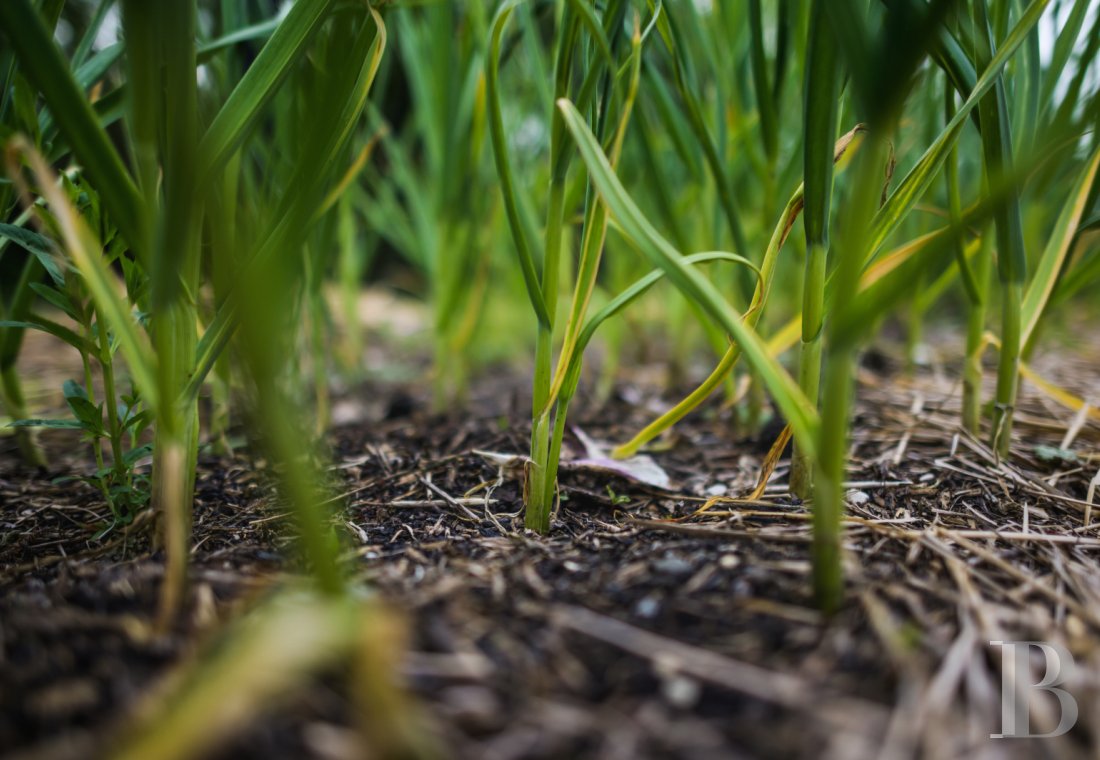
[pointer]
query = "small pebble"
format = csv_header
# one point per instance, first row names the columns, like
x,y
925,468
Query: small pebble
x,y
647,608
672,565
680,691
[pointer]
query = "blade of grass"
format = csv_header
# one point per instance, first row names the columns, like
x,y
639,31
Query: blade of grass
x,y
832,444
1011,256
260,30
504,165
84,47
1051,263
765,105
205,702
822,111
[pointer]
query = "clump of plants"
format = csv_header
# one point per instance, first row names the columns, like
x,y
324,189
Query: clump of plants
x,y
627,101
850,280
182,181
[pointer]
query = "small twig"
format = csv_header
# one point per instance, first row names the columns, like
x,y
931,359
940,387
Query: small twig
x,y
779,688
707,531
1075,426
914,412
422,503
449,499
782,488
1093,485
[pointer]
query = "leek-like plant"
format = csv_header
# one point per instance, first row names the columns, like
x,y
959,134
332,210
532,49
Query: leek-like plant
x,y
607,91
822,110
1011,256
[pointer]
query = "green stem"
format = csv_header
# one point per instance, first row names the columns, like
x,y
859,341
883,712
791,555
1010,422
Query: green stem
x,y
809,360
769,128
756,400
323,406
222,223
17,407
164,113
537,511
550,481
832,446
1008,369
175,451
537,516
975,334
1011,256
96,451
110,403
612,360
220,389
975,282
350,261
822,85
828,506
299,480
914,325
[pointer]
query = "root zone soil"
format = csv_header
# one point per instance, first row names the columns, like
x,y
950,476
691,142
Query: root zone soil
x,y
636,629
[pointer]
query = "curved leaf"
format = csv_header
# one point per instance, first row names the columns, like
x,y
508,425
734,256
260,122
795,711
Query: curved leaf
x,y
504,165
794,405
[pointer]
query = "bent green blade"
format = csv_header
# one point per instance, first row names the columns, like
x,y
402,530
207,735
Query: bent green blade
x,y
790,399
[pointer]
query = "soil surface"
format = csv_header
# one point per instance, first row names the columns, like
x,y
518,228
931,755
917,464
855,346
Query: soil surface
x,y
637,628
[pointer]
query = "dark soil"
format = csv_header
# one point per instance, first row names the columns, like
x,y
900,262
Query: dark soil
x,y
624,634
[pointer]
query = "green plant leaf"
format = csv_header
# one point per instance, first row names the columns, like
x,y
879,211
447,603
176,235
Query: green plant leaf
x,y
37,245
794,405
71,389
211,48
87,40
53,424
88,414
1057,249
35,322
259,85
54,297
504,166
131,457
